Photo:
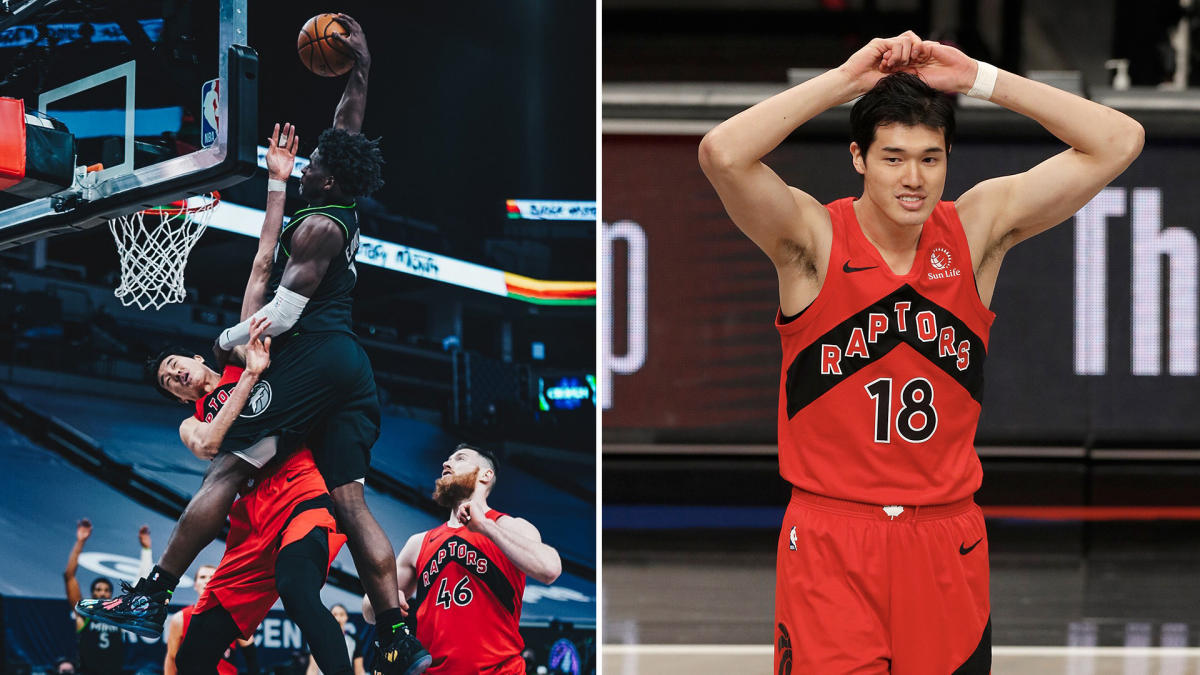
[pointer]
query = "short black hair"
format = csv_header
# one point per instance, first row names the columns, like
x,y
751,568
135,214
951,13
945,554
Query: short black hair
x,y
486,454
101,580
150,368
354,161
900,98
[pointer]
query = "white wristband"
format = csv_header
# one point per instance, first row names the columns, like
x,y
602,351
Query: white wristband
x,y
985,81
276,185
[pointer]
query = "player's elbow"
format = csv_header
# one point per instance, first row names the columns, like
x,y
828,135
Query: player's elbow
x,y
550,571
1134,139
716,156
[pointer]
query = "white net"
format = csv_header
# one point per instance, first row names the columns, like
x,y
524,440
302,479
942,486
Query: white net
x,y
153,246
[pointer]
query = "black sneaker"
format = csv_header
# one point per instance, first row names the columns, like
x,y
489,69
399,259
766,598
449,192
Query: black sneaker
x,y
402,655
133,610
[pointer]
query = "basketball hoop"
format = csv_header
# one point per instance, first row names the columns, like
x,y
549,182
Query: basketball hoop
x,y
154,252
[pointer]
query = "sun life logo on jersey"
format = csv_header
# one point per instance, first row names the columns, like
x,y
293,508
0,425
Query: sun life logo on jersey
x,y
260,399
940,258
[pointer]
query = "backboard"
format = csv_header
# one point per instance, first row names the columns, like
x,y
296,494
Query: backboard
x,y
159,98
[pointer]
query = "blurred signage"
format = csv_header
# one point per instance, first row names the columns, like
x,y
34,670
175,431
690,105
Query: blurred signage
x,y
550,209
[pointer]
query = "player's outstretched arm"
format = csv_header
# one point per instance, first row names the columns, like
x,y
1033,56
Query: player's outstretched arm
x,y
281,158
204,439
353,106
83,530
146,559
1001,212
174,638
517,538
789,225
406,576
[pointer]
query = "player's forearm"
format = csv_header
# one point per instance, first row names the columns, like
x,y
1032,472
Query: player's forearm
x,y
1093,129
145,562
353,106
532,557
260,272
73,561
748,136
210,435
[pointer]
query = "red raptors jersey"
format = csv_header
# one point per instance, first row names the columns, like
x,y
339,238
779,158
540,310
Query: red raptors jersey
x,y
883,373
469,603
225,665
210,404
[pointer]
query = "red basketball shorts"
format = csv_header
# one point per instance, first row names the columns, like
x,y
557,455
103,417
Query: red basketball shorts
x,y
283,508
860,590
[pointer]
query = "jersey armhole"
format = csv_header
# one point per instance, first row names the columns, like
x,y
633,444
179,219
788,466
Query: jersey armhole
x,y
960,236
788,325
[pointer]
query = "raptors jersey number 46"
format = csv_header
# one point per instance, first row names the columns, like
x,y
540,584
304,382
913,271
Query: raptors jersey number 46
x,y
882,375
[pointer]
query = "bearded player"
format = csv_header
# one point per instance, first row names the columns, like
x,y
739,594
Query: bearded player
x,y
469,574
883,314
323,388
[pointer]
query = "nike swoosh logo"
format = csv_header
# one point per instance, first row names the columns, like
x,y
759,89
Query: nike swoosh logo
x,y
964,549
848,269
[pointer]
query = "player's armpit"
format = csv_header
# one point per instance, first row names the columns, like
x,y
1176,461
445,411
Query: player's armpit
x,y
779,219
1005,211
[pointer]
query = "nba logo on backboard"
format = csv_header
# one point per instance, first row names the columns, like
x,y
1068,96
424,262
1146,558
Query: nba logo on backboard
x,y
210,96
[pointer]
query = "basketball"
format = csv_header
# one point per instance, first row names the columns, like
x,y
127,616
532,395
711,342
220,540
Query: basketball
x,y
319,51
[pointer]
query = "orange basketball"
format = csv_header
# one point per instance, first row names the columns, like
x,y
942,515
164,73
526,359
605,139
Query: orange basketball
x,y
319,51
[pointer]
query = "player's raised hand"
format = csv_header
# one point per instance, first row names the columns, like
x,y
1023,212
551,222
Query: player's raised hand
x,y
473,513
144,536
281,151
258,350
942,67
880,57
356,40
83,529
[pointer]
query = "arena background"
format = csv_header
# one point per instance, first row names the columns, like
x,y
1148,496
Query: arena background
x,y
474,109
1089,430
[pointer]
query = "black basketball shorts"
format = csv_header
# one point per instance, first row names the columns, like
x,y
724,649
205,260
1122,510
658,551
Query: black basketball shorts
x,y
320,391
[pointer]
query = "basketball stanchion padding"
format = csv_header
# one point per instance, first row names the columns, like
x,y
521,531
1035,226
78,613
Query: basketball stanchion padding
x,y
12,142
153,246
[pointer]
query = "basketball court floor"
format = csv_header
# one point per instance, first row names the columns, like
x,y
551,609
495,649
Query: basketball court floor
x,y
1068,598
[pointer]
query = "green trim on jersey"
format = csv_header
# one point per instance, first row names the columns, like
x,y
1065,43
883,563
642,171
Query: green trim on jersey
x,y
301,215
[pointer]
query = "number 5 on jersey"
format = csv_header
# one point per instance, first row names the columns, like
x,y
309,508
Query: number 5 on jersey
x,y
461,596
917,418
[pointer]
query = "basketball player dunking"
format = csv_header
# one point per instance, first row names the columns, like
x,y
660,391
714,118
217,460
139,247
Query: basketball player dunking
x,y
883,314
468,575
321,388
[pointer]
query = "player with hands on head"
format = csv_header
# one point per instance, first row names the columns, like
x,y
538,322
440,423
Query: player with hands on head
x,y
884,319
468,575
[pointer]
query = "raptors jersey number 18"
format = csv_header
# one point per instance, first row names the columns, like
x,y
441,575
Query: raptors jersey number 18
x,y
883,373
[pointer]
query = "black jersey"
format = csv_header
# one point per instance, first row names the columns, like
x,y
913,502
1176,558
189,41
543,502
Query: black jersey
x,y
329,307
101,651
